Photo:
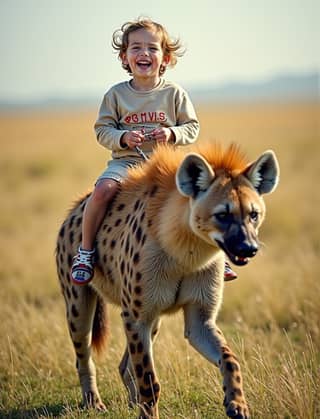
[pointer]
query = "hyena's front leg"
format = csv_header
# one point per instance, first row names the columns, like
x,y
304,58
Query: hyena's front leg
x,y
127,372
205,337
128,378
139,341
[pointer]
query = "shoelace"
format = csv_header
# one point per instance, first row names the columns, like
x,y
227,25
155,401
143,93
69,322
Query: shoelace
x,y
84,258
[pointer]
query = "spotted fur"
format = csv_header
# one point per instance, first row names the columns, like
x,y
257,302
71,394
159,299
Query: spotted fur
x,y
161,248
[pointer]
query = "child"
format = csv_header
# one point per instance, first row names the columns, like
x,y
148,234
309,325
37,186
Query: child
x,y
135,115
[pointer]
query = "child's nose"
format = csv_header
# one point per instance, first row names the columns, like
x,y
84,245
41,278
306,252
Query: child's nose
x,y
144,51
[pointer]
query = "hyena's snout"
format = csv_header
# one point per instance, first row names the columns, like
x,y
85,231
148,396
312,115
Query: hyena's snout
x,y
240,244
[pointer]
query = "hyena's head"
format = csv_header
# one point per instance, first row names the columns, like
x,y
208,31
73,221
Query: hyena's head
x,y
226,205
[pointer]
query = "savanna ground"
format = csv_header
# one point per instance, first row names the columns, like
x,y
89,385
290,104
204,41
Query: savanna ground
x,y
271,315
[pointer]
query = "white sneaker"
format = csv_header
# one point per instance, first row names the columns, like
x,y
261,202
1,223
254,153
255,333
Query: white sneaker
x,y
82,269
229,274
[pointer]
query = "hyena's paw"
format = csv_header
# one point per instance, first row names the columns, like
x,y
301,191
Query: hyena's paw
x,y
236,408
147,412
93,401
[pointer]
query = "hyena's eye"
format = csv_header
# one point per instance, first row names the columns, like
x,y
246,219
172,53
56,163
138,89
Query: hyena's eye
x,y
224,217
254,215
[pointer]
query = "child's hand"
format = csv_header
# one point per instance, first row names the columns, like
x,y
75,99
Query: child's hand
x,y
162,135
132,139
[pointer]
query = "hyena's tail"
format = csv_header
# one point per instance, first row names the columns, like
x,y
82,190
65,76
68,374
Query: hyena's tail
x,y
100,328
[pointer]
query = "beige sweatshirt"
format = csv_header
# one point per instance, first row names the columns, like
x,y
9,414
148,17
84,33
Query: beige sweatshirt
x,y
124,109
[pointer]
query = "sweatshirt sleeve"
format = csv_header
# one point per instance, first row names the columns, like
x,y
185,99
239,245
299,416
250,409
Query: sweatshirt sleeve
x,y
106,127
187,129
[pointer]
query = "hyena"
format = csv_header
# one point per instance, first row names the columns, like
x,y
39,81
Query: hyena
x,y
161,248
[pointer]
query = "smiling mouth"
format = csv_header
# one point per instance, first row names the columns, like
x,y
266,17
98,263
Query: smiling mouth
x,y
144,64
237,260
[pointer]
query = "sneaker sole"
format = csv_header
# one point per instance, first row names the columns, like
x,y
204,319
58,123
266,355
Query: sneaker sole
x,y
80,282
230,278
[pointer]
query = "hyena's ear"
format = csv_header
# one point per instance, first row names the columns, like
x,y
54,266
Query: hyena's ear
x,y
194,175
264,173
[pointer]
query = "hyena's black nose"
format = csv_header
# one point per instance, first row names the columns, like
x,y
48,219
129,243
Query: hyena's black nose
x,y
247,249
241,242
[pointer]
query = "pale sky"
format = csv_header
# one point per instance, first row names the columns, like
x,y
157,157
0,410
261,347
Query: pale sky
x,y
63,47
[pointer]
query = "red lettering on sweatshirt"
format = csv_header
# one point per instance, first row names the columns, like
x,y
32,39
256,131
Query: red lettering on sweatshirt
x,y
152,116
145,117
162,116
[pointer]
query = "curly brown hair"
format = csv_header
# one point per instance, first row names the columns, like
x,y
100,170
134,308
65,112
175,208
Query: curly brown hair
x,y
171,48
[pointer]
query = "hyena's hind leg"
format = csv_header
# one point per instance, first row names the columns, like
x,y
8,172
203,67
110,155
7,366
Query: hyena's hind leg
x,y
87,326
85,310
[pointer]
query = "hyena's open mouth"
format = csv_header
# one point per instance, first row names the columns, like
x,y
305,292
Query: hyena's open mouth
x,y
244,253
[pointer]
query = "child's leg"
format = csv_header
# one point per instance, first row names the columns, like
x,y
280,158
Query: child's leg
x,y
82,268
95,210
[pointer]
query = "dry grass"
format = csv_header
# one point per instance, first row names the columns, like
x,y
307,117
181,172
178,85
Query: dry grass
x,y
270,315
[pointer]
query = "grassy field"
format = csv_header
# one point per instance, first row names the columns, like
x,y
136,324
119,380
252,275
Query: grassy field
x,y
271,315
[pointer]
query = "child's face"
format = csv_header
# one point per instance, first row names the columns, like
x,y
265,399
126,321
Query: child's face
x,y
144,54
